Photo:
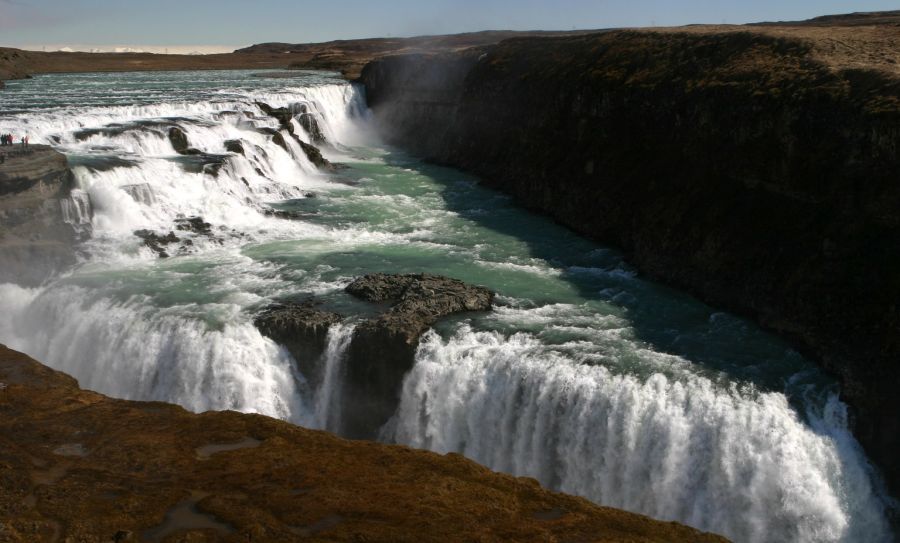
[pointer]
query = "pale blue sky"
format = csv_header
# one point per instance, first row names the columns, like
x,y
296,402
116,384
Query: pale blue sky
x,y
244,22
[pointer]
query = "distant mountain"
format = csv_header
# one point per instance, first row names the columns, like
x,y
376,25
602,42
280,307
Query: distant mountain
x,y
846,19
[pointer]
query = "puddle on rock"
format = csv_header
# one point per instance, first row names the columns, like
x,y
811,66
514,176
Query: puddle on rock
x,y
70,449
550,514
50,476
185,516
204,452
328,522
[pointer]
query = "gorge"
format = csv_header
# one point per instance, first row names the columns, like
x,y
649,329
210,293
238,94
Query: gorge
x,y
219,265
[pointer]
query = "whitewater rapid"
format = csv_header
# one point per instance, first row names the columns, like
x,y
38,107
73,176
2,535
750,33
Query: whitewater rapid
x,y
585,377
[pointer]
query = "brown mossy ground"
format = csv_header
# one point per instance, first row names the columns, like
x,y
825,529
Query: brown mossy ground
x,y
78,466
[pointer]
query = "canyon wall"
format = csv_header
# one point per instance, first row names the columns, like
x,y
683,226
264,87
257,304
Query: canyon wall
x,y
741,166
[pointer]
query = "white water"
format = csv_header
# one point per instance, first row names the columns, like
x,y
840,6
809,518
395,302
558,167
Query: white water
x,y
329,396
556,384
715,458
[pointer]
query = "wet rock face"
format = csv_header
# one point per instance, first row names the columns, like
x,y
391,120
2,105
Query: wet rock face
x,y
157,242
311,125
234,146
37,235
284,116
160,243
736,166
302,328
383,349
180,142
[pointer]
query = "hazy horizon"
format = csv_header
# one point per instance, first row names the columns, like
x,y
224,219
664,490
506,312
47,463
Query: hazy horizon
x,y
207,27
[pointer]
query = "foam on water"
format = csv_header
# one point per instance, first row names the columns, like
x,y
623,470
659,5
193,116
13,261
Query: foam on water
x,y
720,459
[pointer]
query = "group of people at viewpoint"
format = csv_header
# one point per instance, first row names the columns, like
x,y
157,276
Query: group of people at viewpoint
x,y
9,139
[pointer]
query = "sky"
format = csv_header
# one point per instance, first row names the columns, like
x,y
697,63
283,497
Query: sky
x,y
216,25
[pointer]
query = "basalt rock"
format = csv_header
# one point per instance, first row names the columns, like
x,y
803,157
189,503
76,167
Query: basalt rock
x,y
234,146
42,215
194,224
315,156
160,243
180,141
302,328
156,242
383,349
311,126
284,116
755,170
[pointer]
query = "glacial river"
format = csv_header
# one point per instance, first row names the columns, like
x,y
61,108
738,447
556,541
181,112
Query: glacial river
x,y
585,376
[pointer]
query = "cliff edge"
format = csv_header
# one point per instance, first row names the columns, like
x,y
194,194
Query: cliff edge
x,y
756,167
41,216
78,466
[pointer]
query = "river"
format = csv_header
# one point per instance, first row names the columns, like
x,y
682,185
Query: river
x,y
585,376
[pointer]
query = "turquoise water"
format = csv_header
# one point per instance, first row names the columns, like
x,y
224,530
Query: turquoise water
x,y
585,376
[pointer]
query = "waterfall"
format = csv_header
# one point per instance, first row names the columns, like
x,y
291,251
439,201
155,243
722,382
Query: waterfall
x,y
730,460
611,419
76,211
151,332
133,350
329,396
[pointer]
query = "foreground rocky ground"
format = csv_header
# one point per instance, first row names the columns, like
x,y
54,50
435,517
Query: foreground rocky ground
x,y
755,166
78,466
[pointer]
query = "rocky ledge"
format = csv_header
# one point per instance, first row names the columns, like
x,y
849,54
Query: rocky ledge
x,y
382,349
285,116
78,466
755,167
302,328
41,218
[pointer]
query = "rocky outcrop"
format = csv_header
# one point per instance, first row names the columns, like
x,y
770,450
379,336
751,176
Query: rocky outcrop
x,y
754,169
180,143
157,242
301,327
78,466
234,146
41,218
383,348
160,243
284,116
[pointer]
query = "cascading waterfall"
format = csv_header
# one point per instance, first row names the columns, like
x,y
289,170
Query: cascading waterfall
x,y
732,461
329,395
569,396
130,349
158,337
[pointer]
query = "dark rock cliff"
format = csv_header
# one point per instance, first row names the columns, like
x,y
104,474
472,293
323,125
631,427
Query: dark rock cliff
x,y
383,348
41,217
736,165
